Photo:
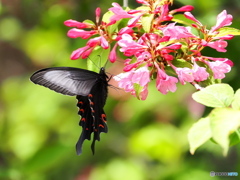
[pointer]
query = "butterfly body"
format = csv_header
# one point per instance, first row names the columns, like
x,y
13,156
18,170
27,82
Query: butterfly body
x,y
90,89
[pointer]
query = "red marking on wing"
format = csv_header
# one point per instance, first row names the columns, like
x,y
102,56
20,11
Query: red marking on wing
x,y
81,110
100,125
103,116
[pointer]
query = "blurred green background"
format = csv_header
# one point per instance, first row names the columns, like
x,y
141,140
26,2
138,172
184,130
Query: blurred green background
x,y
147,140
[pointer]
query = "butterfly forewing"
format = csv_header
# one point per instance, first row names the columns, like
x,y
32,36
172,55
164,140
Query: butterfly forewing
x,y
66,80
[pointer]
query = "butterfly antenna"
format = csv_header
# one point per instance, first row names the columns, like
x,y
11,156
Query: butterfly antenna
x,y
101,62
105,64
93,62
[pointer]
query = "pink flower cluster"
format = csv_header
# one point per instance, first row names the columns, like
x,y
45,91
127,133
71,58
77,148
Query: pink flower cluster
x,y
155,48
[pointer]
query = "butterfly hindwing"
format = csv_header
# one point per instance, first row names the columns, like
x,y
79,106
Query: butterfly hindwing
x,y
86,121
93,117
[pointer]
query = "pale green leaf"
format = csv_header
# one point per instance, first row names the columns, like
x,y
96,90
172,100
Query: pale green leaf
x,y
106,16
236,100
223,122
89,22
235,138
199,133
217,95
97,59
147,22
228,30
138,89
180,18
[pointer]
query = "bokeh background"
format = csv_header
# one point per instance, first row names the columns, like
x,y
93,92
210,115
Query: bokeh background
x,y
147,140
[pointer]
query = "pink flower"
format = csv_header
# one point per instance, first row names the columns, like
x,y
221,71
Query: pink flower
x,y
223,19
219,68
177,32
119,13
125,30
130,47
164,82
128,79
199,73
144,56
219,45
132,22
151,39
100,29
98,41
184,75
75,33
141,76
225,60
164,13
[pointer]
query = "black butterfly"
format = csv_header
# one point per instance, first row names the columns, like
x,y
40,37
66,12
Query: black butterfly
x,y
91,91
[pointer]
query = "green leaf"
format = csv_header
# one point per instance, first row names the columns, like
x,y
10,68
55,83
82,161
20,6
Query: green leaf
x,y
217,95
97,59
180,18
223,122
199,133
138,89
236,100
106,16
235,138
147,22
89,21
114,28
181,63
228,30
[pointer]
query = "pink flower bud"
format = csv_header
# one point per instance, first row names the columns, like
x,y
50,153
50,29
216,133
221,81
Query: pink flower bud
x,y
78,52
191,17
73,23
113,55
98,14
104,43
75,33
184,8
